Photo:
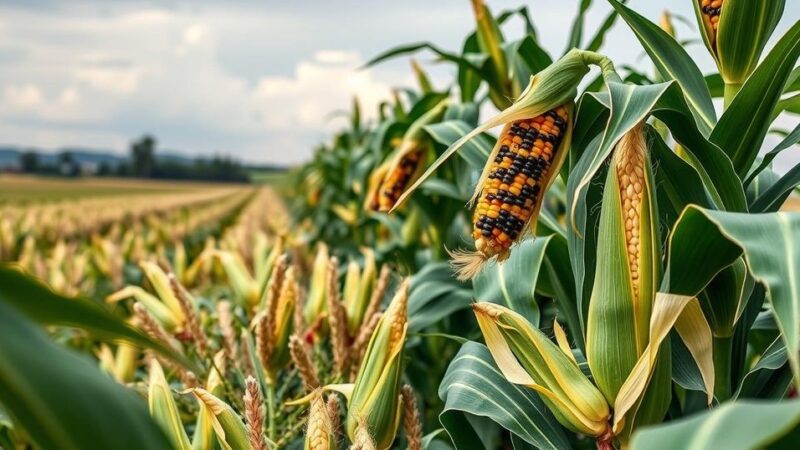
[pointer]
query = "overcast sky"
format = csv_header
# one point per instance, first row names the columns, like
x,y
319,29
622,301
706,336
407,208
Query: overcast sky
x,y
253,79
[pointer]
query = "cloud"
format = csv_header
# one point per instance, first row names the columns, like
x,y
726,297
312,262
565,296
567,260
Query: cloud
x,y
327,82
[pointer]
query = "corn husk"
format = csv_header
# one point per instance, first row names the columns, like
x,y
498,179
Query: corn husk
x,y
163,408
527,357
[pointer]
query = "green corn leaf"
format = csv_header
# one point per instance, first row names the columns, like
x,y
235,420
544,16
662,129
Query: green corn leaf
x,y
672,63
475,152
228,426
771,249
576,30
473,386
789,141
741,129
774,197
45,307
163,408
61,398
767,374
743,425
725,297
432,300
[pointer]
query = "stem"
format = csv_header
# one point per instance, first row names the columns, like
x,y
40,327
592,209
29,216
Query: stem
x,y
603,62
731,89
271,412
723,348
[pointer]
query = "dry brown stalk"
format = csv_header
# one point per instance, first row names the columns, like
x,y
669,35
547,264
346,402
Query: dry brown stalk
x,y
336,320
247,357
151,327
192,319
379,292
225,319
333,414
412,424
254,414
302,360
273,290
263,339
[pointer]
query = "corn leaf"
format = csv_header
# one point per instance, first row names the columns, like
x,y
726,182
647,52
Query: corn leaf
x,y
673,63
45,307
742,425
789,141
768,374
431,300
683,313
741,129
228,426
474,151
474,387
771,249
163,408
62,399
773,198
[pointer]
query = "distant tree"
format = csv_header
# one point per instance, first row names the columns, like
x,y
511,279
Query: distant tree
x,y
103,169
29,161
67,165
143,156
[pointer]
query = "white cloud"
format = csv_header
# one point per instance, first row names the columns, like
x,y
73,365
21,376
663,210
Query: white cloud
x,y
326,83
23,97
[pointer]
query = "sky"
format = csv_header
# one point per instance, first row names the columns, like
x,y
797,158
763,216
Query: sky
x,y
256,80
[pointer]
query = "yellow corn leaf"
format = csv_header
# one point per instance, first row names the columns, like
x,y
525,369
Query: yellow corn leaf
x,y
685,314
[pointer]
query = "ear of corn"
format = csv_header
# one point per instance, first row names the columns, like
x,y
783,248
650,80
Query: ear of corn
x,y
627,272
315,302
527,357
319,432
376,392
163,408
228,426
356,303
524,163
247,289
407,162
490,41
735,33
160,282
710,10
284,320
626,278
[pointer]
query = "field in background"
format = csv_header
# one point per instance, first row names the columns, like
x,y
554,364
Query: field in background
x,y
24,188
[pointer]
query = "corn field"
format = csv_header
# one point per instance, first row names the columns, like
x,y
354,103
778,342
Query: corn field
x,y
550,251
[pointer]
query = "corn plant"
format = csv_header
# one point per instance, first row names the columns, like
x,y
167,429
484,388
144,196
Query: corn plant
x,y
622,276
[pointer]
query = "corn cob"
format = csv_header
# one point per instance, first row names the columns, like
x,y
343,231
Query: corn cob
x,y
516,180
397,173
526,159
398,179
711,10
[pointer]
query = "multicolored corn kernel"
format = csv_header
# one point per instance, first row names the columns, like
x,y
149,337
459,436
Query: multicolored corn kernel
x,y
711,10
398,180
516,180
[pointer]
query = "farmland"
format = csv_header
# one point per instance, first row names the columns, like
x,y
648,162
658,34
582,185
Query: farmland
x,y
549,250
